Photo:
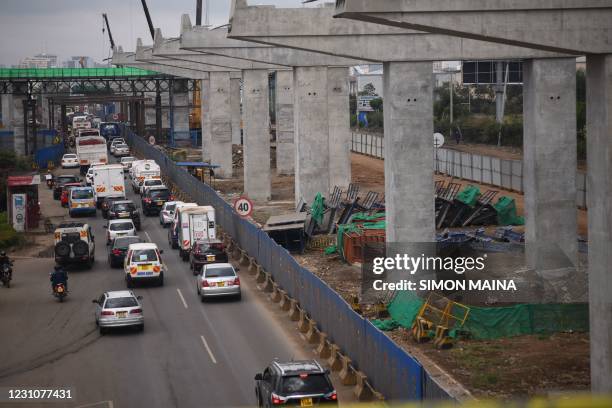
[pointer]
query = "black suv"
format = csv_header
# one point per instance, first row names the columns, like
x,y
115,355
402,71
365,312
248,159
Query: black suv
x,y
206,252
107,203
295,384
59,182
154,198
117,251
124,209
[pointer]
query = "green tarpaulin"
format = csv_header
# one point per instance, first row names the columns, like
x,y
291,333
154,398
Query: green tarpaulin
x,y
506,212
469,195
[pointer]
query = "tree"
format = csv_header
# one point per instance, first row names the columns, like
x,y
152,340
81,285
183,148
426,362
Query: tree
x,y
368,90
377,104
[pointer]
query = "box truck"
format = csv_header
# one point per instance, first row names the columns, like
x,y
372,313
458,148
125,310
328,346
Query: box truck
x,y
107,181
196,224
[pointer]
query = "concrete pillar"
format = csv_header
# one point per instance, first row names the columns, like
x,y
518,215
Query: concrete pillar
x,y
339,118
599,190
44,112
205,119
235,108
408,145
256,122
311,130
150,112
18,128
221,123
549,160
7,111
180,111
285,148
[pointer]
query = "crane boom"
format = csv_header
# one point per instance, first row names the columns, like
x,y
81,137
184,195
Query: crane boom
x,y
148,16
110,35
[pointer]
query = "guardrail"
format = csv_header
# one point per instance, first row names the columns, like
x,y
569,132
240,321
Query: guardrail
x,y
503,173
364,354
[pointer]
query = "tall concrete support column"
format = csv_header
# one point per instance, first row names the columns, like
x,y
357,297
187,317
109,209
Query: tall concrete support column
x,y
7,111
599,190
339,118
205,119
221,123
311,129
180,112
256,122
44,112
18,125
285,147
150,112
408,146
235,108
549,162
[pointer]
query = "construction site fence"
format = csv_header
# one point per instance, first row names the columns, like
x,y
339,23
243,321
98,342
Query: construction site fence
x,y
44,138
390,370
483,169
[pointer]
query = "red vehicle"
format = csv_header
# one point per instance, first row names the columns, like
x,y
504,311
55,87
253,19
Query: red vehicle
x,y
65,190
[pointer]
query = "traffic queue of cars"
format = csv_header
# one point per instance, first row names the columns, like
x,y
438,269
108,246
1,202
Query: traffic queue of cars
x,y
192,231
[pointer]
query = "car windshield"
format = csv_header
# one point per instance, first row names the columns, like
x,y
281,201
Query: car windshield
x,y
306,384
127,160
153,182
122,146
144,255
170,207
82,194
123,207
123,243
118,141
121,226
113,303
65,179
159,194
220,272
70,156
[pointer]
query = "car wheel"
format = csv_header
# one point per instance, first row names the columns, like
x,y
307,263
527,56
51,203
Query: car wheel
x,y
70,214
129,283
140,327
102,331
239,296
160,280
202,298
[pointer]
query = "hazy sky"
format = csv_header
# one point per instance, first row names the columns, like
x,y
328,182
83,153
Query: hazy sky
x,y
74,27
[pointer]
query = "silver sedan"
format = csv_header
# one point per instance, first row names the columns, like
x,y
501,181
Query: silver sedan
x,y
218,279
118,309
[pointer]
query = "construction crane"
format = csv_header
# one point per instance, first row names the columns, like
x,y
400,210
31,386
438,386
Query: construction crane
x,y
110,35
199,13
148,16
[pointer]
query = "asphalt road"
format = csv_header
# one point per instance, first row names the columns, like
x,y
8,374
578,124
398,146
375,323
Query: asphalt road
x,y
189,355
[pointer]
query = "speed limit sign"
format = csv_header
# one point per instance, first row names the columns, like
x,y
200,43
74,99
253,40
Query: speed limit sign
x,y
243,206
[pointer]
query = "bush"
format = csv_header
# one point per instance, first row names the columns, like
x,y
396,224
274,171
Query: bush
x,y
8,236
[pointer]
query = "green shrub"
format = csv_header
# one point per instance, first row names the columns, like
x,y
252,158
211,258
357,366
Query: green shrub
x,y
8,236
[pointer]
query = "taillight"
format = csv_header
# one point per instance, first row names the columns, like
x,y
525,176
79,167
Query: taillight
x,y
147,200
133,269
237,281
332,396
156,268
205,284
107,313
136,311
116,252
277,399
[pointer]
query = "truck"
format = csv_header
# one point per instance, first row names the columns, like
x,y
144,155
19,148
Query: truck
x,y
90,150
142,169
108,181
80,122
196,224
173,231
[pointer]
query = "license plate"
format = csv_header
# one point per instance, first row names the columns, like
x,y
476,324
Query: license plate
x,y
306,402
121,314
124,215
144,267
210,258
60,289
220,283
150,273
160,203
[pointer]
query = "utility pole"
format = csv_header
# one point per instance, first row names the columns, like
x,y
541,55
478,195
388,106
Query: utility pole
x,y
450,88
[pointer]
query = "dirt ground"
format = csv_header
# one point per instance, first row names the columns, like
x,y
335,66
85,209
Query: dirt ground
x,y
517,367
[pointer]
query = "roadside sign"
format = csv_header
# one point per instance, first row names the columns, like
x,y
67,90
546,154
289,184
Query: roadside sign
x,y
243,206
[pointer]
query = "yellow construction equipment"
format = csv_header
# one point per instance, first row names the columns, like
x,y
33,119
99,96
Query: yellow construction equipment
x,y
441,313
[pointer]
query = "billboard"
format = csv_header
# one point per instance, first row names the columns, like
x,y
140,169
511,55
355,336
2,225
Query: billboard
x,y
484,72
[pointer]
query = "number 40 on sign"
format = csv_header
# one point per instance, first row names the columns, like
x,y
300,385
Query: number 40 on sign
x,y
243,206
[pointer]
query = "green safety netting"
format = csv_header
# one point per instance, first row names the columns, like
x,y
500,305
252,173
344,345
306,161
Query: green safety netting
x,y
496,322
506,212
469,195
73,72
352,227
317,209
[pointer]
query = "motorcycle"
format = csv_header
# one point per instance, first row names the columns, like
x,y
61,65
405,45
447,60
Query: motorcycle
x,y
49,180
5,274
60,292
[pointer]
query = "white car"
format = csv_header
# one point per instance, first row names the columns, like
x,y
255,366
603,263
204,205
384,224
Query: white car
x,y
143,263
70,160
116,141
166,215
218,279
120,308
119,228
121,150
150,182
126,162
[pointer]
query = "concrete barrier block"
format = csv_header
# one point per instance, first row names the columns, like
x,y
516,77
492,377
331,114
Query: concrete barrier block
x,y
303,321
276,295
294,310
312,335
244,258
347,373
252,270
323,350
268,284
333,361
362,390
261,275
284,302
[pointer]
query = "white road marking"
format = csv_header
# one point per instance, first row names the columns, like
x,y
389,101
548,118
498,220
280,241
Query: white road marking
x,y
208,349
108,404
182,298
148,237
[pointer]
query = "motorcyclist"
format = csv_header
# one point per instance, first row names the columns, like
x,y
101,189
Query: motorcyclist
x,y
58,276
4,259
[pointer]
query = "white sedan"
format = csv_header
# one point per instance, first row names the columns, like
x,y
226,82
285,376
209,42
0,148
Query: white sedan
x,y
70,160
121,150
